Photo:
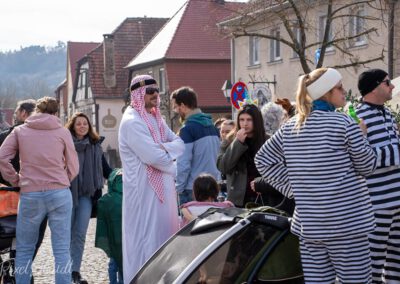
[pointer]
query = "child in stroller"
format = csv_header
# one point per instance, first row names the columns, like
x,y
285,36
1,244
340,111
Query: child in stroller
x,y
205,192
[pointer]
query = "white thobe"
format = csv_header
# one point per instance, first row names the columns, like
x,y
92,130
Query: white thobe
x,y
146,222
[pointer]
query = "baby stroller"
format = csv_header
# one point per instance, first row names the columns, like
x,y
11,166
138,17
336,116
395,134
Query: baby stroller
x,y
229,245
7,234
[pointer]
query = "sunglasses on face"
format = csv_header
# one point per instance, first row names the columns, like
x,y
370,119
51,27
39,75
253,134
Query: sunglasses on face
x,y
387,82
152,90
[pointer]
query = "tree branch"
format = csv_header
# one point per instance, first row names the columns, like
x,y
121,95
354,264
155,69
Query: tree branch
x,y
338,40
245,33
358,3
358,63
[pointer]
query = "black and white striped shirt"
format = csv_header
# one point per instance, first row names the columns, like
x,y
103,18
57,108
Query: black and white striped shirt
x,y
384,183
323,167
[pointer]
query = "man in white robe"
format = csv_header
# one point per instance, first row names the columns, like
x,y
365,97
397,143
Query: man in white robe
x,y
148,149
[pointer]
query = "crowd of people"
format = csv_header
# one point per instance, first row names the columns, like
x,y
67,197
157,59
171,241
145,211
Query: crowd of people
x,y
339,179
58,170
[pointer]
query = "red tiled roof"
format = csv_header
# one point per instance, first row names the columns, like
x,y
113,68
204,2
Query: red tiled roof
x,y
76,50
192,33
197,35
129,38
206,77
197,55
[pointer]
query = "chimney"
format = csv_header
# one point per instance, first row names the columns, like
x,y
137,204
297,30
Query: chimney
x,y
109,65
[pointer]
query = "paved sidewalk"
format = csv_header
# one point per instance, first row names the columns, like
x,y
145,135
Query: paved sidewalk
x,y
94,264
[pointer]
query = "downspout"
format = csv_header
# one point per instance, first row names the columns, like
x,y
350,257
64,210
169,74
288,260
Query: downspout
x,y
96,114
233,67
392,5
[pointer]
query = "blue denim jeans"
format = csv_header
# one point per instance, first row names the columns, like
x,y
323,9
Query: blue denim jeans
x,y
114,273
185,196
80,222
33,208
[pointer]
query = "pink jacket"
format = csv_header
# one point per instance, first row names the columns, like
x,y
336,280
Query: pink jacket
x,y
47,154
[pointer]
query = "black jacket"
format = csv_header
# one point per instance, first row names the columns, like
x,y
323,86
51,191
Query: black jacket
x,y
272,197
15,160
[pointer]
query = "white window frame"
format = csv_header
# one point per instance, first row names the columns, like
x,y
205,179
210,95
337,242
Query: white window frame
x,y
357,26
275,46
161,83
83,82
321,31
254,50
297,35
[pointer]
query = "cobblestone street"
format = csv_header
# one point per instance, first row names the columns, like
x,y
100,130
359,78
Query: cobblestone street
x,y
94,264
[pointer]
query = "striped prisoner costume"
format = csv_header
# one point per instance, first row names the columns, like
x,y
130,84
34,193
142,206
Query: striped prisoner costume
x,y
322,167
384,187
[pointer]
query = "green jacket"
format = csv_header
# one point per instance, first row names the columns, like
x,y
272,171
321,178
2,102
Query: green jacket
x,y
109,219
232,163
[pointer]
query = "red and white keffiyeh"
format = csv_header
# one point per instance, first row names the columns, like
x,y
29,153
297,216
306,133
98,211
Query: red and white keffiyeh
x,y
137,102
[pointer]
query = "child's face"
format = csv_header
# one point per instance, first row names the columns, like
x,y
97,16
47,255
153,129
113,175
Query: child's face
x,y
225,129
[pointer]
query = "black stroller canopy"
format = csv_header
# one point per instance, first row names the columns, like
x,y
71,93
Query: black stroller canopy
x,y
226,245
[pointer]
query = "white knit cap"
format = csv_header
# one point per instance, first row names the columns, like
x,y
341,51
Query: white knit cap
x,y
324,83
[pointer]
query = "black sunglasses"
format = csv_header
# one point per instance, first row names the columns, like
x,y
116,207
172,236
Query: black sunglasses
x,y
387,82
152,90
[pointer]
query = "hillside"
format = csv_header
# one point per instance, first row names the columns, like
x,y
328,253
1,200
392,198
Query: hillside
x,y
31,72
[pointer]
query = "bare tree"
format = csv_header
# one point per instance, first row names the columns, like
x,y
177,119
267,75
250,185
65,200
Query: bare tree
x,y
302,33
8,94
38,88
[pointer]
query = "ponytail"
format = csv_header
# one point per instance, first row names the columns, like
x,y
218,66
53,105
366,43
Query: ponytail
x,y
303,99
303,102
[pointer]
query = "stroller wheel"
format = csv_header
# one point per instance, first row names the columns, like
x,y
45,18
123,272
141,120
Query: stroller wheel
x,y
8,280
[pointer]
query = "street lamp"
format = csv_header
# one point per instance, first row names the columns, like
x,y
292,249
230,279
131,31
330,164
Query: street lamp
x,y
226,89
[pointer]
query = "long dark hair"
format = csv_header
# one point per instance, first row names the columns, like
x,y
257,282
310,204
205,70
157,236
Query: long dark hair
x,y
94,137
259,136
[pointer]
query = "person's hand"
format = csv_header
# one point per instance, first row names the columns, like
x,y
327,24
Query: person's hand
x,y
363,127
241,135
253,186
203,275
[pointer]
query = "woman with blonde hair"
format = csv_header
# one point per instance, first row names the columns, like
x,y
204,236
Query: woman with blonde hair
x,y
320,158
92,169
48,164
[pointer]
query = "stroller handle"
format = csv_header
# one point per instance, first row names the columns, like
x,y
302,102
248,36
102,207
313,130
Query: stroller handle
x,y
10,188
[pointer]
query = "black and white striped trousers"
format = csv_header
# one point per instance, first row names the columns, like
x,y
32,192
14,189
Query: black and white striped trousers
x,y
385,247
347,260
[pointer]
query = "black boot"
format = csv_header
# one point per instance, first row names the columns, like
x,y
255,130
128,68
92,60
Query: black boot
x,y
77,278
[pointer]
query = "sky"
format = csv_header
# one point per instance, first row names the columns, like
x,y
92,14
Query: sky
x,y
45,22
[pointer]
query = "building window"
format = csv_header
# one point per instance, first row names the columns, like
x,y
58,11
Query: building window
x,y
254,47
275,46
357,26
82,79
322,25
297,35
84,82
161,83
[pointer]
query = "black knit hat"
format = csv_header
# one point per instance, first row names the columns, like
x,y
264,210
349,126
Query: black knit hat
x,y
370,79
